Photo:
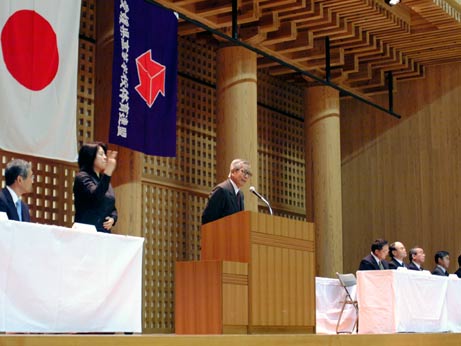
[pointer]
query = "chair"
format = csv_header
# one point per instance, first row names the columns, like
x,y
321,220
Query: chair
x,y
347,281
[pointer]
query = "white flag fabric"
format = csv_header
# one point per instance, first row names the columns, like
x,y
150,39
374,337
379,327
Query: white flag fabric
x,y
38,77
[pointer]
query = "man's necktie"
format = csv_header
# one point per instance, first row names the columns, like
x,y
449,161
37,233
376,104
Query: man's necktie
x,y
380,265
19,209
238,200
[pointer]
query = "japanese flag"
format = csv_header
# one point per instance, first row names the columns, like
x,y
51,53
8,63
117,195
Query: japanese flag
x,y
38,77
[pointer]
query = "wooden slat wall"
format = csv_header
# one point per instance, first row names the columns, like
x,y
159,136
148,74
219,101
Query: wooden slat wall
x,y
283,263
212,297
199,297
401,178
235,297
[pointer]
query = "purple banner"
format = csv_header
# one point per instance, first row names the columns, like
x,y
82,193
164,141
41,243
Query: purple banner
x,y
144,78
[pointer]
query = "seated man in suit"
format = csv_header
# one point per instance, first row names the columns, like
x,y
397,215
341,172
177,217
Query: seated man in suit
x,y
376,260
18,179
417,258
442,261
458,272
397,253
226,198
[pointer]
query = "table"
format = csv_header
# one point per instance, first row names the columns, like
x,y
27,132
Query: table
x,y
392,301
58,280
329,295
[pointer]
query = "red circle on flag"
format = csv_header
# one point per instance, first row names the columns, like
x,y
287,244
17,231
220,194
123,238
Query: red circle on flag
x,y
30,49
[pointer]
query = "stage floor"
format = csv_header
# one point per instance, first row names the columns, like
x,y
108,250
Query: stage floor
x,y
445,339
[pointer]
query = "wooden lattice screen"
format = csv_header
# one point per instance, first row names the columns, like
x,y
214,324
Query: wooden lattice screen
x,y
281,146
86,72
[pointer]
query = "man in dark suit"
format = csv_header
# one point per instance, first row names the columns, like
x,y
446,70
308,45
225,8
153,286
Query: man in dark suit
x,y
458,272
397,253
442,261
417,258
376,260
226,198
18,179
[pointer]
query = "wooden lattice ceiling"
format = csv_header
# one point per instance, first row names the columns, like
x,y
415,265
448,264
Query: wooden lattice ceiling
x,y
367,37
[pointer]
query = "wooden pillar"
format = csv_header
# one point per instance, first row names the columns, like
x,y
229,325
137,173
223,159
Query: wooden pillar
x,y
237,115
323,176
127,177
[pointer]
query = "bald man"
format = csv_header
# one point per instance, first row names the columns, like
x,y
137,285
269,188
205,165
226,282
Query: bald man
x,y
397,253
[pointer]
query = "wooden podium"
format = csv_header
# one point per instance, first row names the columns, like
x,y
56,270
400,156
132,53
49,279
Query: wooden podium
x,y
269,263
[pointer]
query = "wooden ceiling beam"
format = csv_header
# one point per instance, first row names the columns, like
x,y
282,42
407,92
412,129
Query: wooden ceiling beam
x,y
367,37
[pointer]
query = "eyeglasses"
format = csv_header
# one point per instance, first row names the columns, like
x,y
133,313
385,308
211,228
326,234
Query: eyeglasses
x,y
246,172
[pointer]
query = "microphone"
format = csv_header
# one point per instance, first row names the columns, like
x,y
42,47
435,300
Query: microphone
x,y
253,190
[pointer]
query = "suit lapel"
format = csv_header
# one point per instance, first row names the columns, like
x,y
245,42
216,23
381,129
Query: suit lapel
x,y
397,264
375,263
242,204
10,203
232,196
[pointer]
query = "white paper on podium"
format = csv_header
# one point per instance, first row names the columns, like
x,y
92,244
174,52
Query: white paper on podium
x,y
57,280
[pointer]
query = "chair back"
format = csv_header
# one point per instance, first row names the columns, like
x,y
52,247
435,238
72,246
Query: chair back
x,y
347,280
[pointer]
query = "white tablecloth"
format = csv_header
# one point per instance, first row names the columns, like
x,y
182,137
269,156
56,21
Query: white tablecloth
x,y
393,301
54,279
329,296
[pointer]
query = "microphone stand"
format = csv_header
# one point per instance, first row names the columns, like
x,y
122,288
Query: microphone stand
x,y
253,190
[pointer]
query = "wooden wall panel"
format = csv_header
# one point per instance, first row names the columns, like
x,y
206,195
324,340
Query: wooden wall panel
x,y
199,297
86,73
282,274
400,178
194,166
165,221
211,297
281,146
235,297
276,299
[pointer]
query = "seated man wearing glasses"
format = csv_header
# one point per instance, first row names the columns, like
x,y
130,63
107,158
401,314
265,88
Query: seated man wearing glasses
x,y
18,180
226,198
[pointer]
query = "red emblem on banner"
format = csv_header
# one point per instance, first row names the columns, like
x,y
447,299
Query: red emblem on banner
x,y
151,78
